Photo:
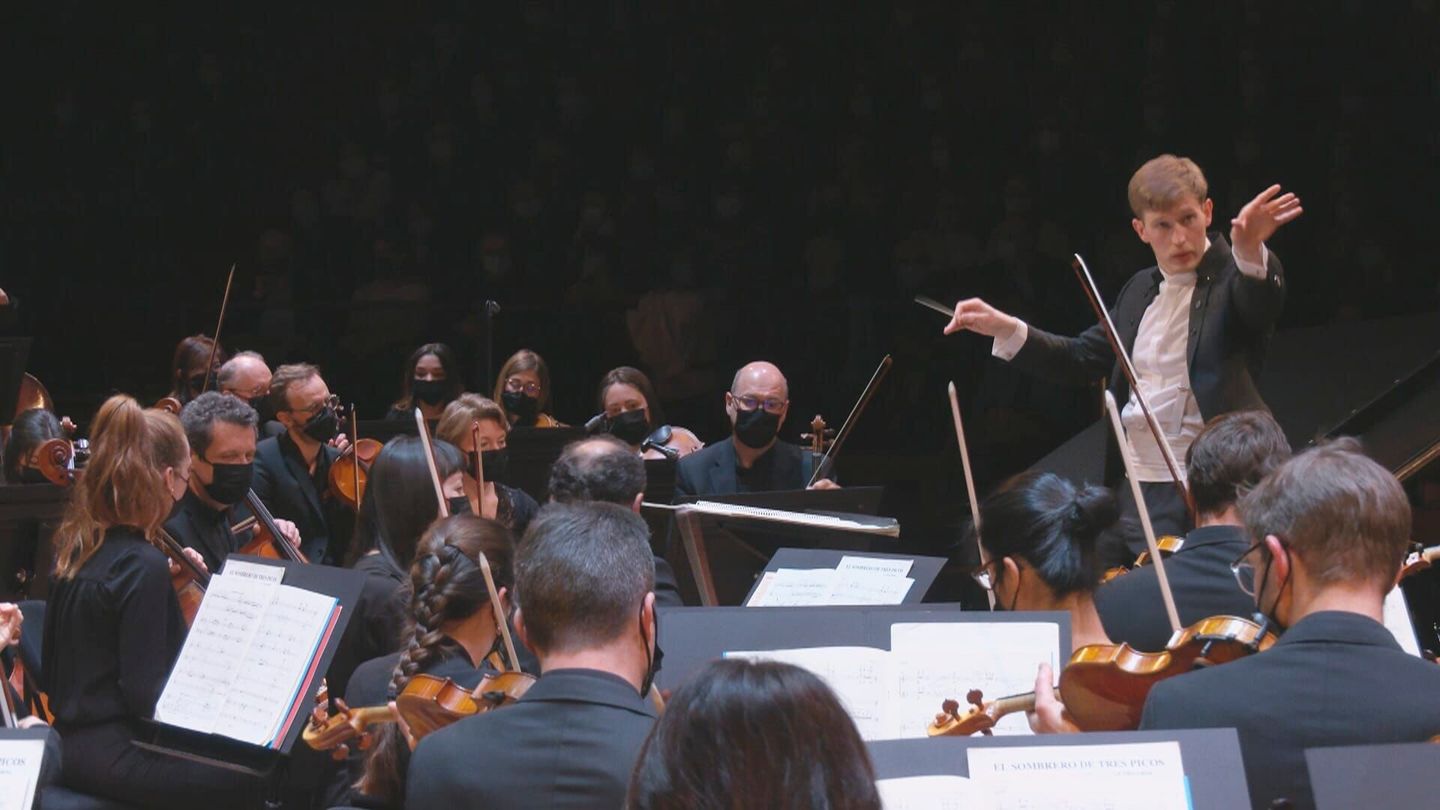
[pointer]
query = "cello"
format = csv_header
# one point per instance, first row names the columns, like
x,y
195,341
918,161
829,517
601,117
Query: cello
x,y
267,541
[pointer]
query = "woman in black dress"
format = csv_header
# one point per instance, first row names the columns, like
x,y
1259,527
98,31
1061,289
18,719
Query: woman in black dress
x,y
497,500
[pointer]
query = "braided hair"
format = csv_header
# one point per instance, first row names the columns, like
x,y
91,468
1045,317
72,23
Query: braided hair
x,y
447,585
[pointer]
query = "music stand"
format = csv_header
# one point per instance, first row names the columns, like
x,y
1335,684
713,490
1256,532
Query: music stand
x,y
923,569
532,452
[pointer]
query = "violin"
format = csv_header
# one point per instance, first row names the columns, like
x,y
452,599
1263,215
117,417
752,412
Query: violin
x,y
1168,545
824,467
1104,686
1419,559
61,459
189,582
267,540
820,437
349,471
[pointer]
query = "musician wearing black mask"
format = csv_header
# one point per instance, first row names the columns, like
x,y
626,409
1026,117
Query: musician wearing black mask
x,y
754,459
247,377
221,432
431,381
522,390
471,419
192,370
292,470
631,413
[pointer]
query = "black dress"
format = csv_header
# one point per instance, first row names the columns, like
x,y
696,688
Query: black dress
x,y
112,633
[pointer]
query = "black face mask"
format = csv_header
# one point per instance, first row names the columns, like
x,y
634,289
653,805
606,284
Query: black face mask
x,y
322,426
430,392
521,405
261,404
230,483
652,660
630,427
459,505
497,464
756,428
31,475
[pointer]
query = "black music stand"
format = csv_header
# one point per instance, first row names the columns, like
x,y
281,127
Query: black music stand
x,y
1398,775
532,452
267,763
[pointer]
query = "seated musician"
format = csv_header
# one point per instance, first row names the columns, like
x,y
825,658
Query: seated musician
x,y
632,414
431,380
583,579
1330,528
32,428
450,630
398,506
292,470
221,433
113,626
1229,457
189,372
247,377
1039,533
512,506
1194,361
753,734
753,459
603,469
523,390
11,622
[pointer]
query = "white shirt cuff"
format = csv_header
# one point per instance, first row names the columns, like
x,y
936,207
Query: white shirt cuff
x,y
1255,271
1011,345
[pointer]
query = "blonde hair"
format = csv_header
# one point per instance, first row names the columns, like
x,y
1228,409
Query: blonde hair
x,y
124,481
1163,181
466,410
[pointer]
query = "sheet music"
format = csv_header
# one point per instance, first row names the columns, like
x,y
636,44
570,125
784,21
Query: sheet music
x,y
1138,776
882,566
253,571
931,793
862,587
271,673
224,627
1397,621
881,526
945,660
19,772
857,675
800,587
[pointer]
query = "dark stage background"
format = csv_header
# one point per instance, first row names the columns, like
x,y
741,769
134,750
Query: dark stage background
x,y
686,187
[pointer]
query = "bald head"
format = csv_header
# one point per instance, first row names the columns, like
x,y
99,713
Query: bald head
x,y
245,375
760,379
600,468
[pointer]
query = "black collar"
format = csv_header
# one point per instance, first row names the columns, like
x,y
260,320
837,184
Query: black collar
x,y
1339,627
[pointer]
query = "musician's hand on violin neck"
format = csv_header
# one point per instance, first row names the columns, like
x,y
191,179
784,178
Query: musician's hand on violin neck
x,y
1259,220
193,556
977,316
341,442
1049,716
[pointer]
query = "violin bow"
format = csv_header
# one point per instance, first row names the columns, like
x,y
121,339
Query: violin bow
x,y
479,469
849,424
355,451
501,622
1126,454
430,462
215,344
969,482
1092,292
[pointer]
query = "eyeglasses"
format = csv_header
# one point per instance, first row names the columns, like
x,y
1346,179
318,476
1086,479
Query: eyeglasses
x,y
332,402
1244,570
983,577
515,385
750,403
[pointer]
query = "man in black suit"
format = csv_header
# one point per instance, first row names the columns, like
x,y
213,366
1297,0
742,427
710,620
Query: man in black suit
x,y
292,471
1196,325
754,460
1229,457
604,469
583,580
221,432
1331,528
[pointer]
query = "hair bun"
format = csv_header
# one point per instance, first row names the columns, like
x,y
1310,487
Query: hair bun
x,y
1093,511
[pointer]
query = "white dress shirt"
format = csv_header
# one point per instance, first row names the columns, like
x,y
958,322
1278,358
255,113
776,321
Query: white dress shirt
x,y
1162,366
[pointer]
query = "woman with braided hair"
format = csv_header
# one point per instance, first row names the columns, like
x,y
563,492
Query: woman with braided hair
x,y
450,632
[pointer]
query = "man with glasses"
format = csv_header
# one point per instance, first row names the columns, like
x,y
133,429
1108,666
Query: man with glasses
x,y
1330,529
292,470
754,460
221,432
1231,455
247,377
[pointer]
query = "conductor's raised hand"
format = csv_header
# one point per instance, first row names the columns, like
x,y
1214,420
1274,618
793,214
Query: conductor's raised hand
x,y
977,316
1259,220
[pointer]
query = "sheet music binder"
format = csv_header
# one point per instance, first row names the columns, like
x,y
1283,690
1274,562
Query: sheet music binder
x,y
1395,775
924,570
726,552
1211,758
692,636
212,749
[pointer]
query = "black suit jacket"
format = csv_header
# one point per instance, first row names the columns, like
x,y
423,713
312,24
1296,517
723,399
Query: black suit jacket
x,y
1231,319
207,531
1132,610
1334,678
711,471
571,742
284,485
